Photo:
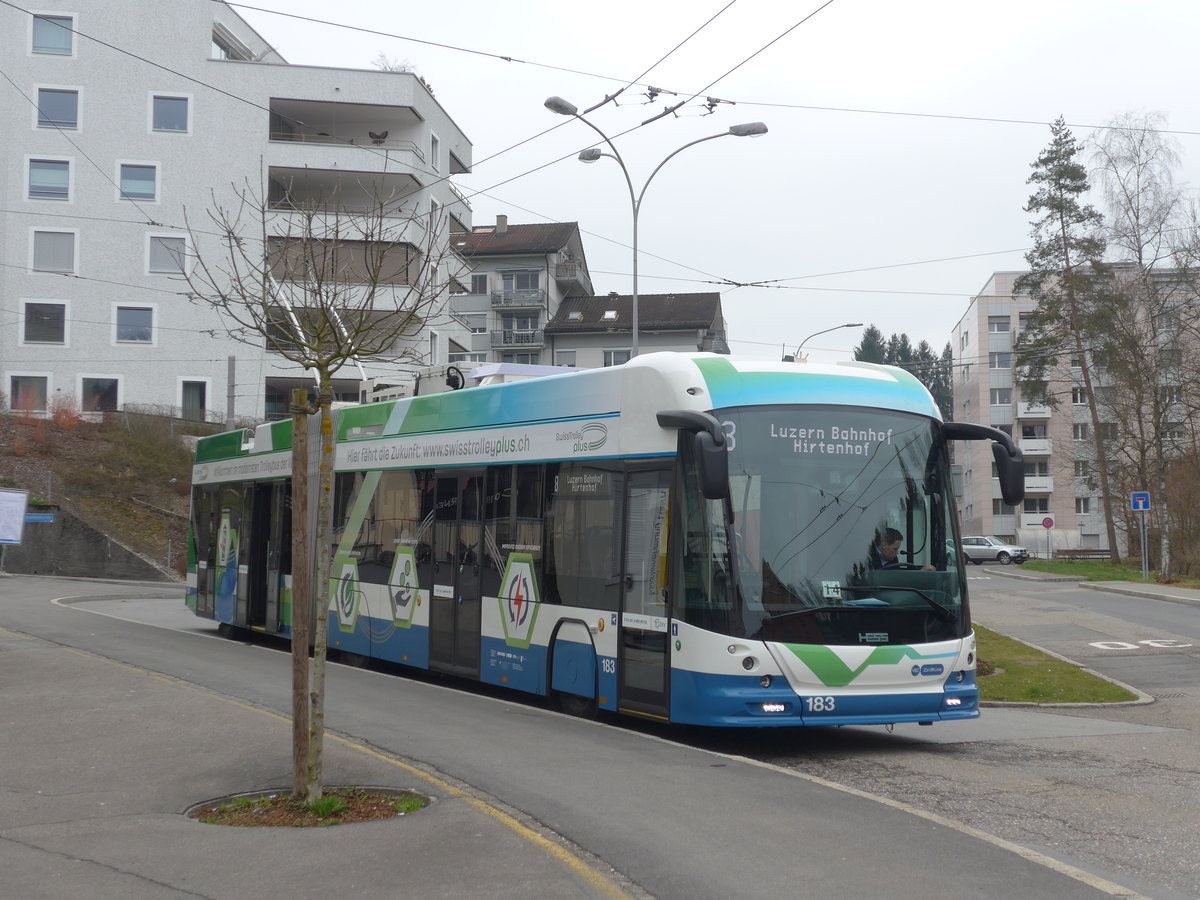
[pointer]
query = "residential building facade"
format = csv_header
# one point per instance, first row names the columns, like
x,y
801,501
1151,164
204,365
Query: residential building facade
x,y
520,275
1063,506
118,143
591,332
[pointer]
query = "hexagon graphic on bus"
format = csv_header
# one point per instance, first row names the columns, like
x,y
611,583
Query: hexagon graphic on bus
x,y
344,594
404,588
518,600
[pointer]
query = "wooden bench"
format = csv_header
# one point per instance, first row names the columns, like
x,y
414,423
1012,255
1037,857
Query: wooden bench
x,y
1081,554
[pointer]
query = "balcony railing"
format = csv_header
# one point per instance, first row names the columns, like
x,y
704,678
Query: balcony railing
x,y
525,297
1032,411
1036,446
568,271
518,338
1039,484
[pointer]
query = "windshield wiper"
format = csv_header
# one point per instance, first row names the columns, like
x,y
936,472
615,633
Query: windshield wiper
x,y
946,615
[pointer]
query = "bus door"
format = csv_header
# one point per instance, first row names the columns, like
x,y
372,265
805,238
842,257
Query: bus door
x,y
456,599
644,644
204,523
270,537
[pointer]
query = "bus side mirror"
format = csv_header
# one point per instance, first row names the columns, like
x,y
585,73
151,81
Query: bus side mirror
x,y
1010,462
712,464
712,458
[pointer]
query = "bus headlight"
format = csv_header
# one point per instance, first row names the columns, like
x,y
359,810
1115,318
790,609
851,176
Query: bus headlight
x,y
954,701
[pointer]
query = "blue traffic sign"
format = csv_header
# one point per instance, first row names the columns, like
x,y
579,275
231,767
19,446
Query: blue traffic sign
x,y
1139,501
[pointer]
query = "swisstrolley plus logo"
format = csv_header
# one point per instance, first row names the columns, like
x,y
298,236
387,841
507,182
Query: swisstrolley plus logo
x,y
585,439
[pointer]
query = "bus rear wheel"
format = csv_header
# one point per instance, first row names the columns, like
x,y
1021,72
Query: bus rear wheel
x,y
574,705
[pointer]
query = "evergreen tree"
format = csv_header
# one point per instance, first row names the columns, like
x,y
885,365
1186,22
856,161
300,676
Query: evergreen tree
x,y
1066,277
872,347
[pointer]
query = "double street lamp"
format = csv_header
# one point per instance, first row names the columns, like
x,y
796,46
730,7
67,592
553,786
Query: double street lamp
x,y
566,108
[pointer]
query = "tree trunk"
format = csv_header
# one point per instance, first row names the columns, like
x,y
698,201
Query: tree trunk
x,y
301,593
324,539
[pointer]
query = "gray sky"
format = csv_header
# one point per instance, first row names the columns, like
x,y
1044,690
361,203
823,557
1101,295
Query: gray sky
x,y
877,163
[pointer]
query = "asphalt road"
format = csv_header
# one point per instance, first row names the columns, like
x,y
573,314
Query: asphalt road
x,y
1122,797
679,821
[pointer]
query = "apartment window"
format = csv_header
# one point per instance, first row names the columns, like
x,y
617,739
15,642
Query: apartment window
x,y
45,323
1175,432
1082,468
135,324
1075,361
435,149
167,255
54,251
57,108
99,393
1083,505
1108,431
615,357
999,360
1000,508
520,322
564,358
169,113
963,340
1001,396
49,179
1079,431
528,359
1039,469
1079,396
998,324
966,372
1036,505
53,35
1023,321
1171,394
28,392
462,357
194,400
521,281
1033,432
477,322
479,284
139,182
1007,429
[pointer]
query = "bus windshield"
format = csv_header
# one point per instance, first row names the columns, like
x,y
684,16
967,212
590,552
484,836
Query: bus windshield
x,y
842,526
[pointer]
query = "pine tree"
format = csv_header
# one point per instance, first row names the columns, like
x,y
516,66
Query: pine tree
x,y
1067,279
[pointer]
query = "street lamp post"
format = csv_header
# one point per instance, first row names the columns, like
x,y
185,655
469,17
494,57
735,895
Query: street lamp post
x,y
566,108
795,355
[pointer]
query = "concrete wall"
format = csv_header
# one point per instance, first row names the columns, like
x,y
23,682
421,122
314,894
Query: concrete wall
x,y
69,547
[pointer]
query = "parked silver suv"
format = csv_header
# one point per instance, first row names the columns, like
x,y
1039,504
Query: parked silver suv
x,y
978,550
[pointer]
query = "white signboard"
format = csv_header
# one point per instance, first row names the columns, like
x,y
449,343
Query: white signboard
x,y
12,515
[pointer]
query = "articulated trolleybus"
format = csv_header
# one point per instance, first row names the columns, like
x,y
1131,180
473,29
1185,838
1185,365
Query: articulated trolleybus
x,y
691,538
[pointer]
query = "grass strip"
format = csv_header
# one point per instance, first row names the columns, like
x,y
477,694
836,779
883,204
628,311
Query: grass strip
x,y
1022,674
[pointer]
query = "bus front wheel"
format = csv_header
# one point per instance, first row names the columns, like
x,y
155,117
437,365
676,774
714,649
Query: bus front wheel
x,y
574,705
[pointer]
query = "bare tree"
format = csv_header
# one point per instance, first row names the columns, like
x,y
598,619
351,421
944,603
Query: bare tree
x,y
321,284
1140,344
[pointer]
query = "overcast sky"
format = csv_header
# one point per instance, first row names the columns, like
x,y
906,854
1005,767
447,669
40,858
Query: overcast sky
x,y
900,134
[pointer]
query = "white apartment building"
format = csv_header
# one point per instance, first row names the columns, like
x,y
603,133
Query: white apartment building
x,y
124,119
1060,482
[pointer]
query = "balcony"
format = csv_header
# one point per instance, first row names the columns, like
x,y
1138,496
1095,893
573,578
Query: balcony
x,y
1039,484
504,339
1036,446
1032,411
339,190
383,129
527,298
571,274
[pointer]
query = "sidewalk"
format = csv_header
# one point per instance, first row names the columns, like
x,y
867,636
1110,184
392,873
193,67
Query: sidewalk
x,y
1171,593
100,760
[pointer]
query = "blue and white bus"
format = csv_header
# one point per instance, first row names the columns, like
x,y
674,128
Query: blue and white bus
x,y
690,538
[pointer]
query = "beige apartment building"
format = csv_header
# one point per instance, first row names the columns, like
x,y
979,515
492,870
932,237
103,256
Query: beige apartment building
x,y
1061,488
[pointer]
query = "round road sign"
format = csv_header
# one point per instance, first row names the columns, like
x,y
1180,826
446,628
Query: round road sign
x,y
1047,522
